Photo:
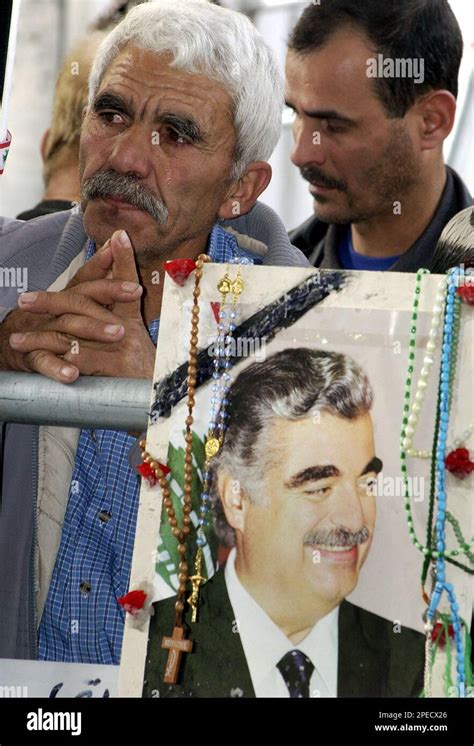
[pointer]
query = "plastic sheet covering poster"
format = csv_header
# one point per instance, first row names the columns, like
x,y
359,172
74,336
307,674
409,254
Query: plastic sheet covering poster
x,y
318,548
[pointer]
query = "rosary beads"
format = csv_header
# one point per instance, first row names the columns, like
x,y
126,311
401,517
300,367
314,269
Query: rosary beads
x,y
178,644
218,416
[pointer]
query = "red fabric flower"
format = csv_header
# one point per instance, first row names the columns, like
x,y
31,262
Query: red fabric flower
x,y
216,309
147,473
459,463
165,469
180,269
133,601
466,293
439,633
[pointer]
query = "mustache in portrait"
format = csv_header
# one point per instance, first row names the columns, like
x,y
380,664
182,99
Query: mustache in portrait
x,y
337,537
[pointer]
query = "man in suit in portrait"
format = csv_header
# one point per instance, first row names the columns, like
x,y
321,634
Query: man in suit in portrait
x,y
293,494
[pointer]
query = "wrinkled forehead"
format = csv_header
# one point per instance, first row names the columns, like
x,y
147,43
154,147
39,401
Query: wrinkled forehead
x,y
145,76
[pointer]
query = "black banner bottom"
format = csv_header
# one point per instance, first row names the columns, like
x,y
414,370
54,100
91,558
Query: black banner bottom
x,y
135,721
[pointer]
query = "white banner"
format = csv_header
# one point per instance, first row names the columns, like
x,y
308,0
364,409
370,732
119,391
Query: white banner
x,y
20,678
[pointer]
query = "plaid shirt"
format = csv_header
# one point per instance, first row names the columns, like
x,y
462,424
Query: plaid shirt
x,y
82,621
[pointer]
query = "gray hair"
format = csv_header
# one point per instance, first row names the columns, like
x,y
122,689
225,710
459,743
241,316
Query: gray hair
x,y
456,243
292,384
216,42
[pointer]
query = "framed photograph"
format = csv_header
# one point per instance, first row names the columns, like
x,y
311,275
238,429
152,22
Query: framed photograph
x,y
312,515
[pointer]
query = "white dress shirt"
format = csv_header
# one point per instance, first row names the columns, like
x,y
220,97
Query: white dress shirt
x,y
265,644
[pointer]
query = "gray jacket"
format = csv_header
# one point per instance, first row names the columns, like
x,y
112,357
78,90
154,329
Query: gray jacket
x,y
38,461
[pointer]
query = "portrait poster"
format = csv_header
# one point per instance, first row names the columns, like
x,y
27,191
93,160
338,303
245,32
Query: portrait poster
x,y
351,608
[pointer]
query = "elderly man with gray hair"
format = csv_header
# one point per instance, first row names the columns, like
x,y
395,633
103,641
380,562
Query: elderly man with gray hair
x,y
184,111
293,495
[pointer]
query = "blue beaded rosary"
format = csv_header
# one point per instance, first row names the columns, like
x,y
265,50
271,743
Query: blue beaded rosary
x,y
227,322
447,364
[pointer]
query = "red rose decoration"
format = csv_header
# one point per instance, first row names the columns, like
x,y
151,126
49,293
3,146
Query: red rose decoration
x,y
459,463
145,470
439,634
466,293
133,601
216,309
180,269
147,473
165,469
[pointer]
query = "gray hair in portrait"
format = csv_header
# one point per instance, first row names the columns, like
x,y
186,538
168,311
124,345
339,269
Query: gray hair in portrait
x,y
216,42
456,243
292,384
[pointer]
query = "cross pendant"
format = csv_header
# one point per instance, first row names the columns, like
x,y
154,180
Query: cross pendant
x,y
197,580
176,645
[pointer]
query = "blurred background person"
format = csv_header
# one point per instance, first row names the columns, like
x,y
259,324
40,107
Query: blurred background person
x,y
60,143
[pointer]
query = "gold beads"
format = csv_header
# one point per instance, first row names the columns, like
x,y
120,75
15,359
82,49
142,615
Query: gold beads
x,y
237,286
224,285
211,448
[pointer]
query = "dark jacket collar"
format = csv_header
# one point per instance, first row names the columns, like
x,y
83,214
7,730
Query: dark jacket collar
x,y
375,658
319,241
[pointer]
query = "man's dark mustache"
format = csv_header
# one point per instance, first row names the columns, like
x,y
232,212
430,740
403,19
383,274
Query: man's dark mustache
x,y
111,184
315,176
338,537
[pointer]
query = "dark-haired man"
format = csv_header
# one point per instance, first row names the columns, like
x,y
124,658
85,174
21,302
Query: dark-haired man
x,y
373,87
292,490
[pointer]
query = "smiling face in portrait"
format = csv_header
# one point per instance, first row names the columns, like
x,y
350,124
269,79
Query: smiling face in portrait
x,y
357,159
305,537
159,138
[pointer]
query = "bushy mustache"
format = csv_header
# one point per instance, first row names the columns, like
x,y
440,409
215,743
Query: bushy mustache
x,y
338,537
314,175
127,188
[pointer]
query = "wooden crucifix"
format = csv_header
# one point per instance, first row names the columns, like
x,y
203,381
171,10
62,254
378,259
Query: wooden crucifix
x,y
176,645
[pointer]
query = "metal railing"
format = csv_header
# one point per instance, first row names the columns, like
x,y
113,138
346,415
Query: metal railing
x,y
109,403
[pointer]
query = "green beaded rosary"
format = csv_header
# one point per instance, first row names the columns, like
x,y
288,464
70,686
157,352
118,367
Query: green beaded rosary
x,y
409,422
410,418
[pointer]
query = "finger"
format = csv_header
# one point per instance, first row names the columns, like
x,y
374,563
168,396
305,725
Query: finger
x,y
51,366
87,329
96,268
61,342
124,268
48,341
67,301
109,291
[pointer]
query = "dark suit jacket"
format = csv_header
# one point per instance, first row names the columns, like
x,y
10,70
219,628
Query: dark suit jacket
x,y
374,661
